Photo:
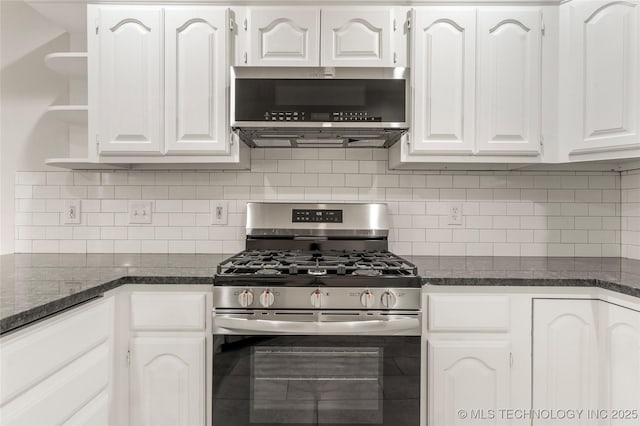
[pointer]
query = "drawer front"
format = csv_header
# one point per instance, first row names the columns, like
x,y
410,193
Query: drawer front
x,y
35,353
469,313
168,311
64,394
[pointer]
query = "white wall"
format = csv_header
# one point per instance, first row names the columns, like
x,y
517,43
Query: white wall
x,y
27,87
505,214
630,216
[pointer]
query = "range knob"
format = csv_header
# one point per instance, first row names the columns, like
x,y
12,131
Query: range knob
x,y
266,298
366,298
245,298
388,299
316,299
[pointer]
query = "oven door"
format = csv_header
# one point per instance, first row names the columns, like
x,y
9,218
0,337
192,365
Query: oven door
x,y
308,377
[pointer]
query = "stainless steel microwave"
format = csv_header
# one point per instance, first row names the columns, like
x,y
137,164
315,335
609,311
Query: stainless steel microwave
x,y
320,112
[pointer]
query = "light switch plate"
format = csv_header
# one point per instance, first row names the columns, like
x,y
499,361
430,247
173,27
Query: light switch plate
x,y
71,211
140,212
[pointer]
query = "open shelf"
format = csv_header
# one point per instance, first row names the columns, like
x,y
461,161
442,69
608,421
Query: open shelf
x,y
73,114
70,64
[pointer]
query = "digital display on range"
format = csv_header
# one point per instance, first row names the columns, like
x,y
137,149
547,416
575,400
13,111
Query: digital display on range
x,y
317,216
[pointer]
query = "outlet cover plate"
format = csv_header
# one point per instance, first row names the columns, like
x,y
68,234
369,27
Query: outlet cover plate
x,y
455,214
219,210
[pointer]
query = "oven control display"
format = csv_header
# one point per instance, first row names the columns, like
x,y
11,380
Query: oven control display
x,y
318,216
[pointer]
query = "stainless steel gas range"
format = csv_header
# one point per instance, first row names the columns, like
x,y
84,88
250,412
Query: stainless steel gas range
x,y
316,322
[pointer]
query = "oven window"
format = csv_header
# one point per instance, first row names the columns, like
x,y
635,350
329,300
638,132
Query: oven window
x,y
340,93
316,380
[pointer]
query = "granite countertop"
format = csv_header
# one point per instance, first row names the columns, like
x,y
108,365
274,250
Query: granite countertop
x,y
33,286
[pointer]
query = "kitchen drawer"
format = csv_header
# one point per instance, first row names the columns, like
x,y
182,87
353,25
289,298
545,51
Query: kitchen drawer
x,y
64,394
459,313
168,311
35,353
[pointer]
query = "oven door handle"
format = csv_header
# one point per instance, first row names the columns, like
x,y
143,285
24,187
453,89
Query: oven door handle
x,y
399,326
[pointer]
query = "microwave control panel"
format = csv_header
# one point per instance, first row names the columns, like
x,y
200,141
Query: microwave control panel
x,y
314,215
319,116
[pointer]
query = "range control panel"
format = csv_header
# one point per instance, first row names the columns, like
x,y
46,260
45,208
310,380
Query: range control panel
x,y
319,116
318,216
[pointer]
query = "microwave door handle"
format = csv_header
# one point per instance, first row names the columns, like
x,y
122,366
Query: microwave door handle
x,y
391,326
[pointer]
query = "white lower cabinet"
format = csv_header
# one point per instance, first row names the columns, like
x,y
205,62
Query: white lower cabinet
x,y
586,356
59,370
169,357
478,360
168,381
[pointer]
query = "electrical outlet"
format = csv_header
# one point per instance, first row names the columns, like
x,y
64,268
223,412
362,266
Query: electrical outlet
x,y
219,212
455,214
140,212
71,211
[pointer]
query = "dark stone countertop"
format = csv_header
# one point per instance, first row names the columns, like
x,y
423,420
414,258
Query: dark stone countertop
x,y
610,273
34,286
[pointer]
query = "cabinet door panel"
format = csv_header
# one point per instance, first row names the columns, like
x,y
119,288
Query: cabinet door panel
x,y
195,80
281,37
565,356
357,38
604,64
168,381
509,55
620,360
466,375
130,94
443,73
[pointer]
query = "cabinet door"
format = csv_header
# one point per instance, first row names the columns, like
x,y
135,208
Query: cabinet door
x,y
280,37
168,379
467,375
565,356
358,37
130,80
196,80
443,76
509,63
620,359
604,76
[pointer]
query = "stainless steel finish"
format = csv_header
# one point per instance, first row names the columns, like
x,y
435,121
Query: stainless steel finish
x,y
349,134
403,299
274,134
306,322
359,220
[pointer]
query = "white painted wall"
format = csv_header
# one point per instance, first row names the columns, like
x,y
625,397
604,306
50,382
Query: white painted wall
x,y
27,88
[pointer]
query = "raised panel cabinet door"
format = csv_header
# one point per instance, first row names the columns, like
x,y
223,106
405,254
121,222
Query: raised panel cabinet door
x,y
359,37
443,81
280,37
167,381
605,76
509,82
196,78
130,80
565,357
620,359
466,375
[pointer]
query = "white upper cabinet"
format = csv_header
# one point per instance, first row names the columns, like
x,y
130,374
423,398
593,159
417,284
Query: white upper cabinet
x,y
599,66
195,80
279,37
443,81
333,37
130,80
509,82
360,37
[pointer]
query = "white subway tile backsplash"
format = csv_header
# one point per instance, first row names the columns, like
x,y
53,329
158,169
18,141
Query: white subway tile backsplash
x,y
504,213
